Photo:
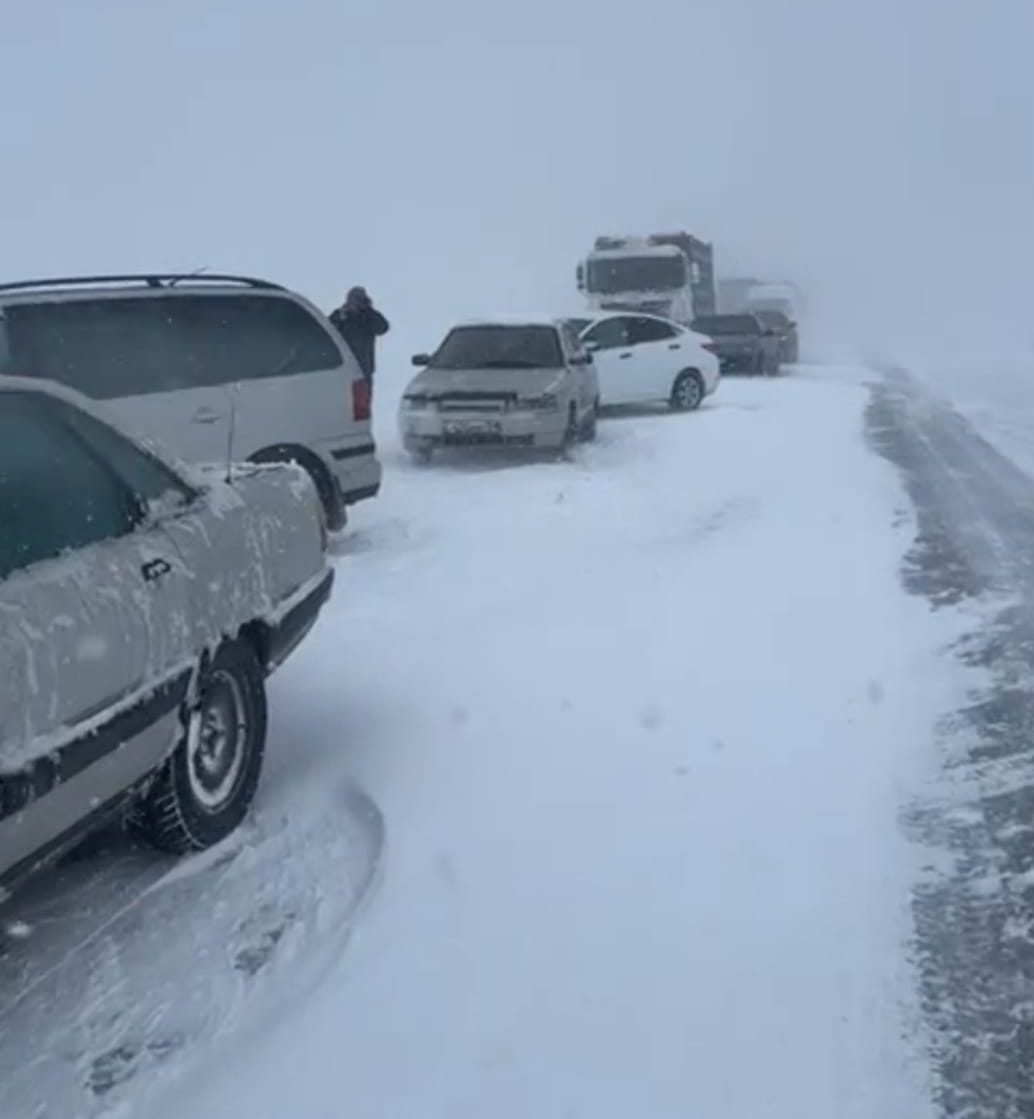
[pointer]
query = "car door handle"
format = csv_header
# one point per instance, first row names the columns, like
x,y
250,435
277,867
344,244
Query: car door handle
x,y
155,569
205,416
675,346
625,356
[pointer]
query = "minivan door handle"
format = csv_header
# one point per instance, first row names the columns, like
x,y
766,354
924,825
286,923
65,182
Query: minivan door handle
x,y
154,569
205,416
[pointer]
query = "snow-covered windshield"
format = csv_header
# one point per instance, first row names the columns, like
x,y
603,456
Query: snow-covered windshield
x,y
499,347
609,275
779,307
777,320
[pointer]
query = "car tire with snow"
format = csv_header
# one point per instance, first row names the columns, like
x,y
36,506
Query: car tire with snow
x,y
687,393
204,789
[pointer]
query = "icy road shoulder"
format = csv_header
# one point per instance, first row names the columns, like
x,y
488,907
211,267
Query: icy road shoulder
x,y
641,728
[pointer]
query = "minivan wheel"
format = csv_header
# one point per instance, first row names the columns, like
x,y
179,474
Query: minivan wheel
x,y
688,392
204,789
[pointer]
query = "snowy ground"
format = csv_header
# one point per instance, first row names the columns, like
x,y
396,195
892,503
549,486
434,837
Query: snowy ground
x,y
997,396
640,729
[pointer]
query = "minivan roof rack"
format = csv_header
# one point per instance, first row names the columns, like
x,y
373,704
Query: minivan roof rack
x,y
151,279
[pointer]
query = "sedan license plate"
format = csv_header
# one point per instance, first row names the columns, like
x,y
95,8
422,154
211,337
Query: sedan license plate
x,y
460,428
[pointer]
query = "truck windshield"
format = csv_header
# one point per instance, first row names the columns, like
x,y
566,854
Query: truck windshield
x,y
500,347
611,275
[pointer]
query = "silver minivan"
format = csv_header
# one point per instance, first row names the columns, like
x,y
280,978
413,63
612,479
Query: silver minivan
x,y
515,382
209,366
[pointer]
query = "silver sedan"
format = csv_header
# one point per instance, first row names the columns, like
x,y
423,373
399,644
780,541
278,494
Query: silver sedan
x,y
142,605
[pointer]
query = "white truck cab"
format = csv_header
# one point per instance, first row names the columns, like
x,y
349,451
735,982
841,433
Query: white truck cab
x,y
669,275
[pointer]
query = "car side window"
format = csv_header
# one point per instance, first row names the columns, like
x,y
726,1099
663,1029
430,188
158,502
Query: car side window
x,y
55,495
114,347
648,330
610,334
149,480
250,337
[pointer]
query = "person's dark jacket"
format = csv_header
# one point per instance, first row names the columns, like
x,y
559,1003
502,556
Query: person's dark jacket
x,y
359,327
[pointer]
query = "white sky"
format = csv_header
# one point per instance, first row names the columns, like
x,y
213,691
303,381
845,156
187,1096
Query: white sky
x,y
458,158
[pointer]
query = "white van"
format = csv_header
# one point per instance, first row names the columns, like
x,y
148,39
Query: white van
x,y
212,367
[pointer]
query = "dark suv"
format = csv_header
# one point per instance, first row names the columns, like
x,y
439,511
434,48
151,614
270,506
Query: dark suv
x,y
742,342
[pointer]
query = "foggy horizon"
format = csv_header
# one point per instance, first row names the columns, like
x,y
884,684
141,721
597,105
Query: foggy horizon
x,y
461,160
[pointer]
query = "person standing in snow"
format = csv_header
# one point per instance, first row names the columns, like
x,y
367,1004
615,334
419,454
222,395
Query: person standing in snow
x,y
360,324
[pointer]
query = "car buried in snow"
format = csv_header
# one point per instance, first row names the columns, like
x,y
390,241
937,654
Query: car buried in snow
x,y
505,382
143,604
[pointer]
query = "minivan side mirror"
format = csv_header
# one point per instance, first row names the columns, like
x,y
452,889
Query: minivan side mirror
x,y
421,359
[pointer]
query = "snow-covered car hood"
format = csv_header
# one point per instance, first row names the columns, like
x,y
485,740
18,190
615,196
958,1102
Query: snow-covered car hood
x,y
518,382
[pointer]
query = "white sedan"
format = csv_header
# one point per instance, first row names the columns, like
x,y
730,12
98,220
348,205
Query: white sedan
x,y
644,359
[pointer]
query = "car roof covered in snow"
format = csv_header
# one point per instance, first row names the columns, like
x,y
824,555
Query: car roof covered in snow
x,y
635,250
511,319
44,387
600,316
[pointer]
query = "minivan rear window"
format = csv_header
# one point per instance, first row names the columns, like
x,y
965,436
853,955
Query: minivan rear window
x,y
116,347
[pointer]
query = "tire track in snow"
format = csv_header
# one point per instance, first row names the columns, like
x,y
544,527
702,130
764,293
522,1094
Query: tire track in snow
x,y
181,962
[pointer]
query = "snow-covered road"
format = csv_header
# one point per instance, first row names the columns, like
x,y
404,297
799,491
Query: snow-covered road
x,y
640,728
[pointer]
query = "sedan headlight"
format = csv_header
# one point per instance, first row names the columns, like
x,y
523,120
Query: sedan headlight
x,y
547,402
415,403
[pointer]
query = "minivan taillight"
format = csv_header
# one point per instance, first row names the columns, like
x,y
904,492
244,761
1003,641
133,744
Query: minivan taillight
x,y
361,399
710,345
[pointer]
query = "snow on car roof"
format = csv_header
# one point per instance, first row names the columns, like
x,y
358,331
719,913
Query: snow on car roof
x,y
599,316
511,319
10,383
635,250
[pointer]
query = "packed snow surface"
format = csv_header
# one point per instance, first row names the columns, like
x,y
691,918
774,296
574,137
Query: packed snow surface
x,y
640,727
